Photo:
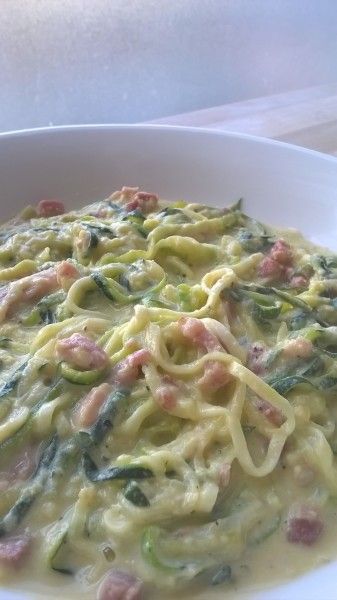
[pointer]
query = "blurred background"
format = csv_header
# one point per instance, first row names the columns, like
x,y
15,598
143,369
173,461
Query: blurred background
x,y
99,61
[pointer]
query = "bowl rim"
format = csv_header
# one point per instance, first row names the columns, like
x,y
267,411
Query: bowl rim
x,y
180,129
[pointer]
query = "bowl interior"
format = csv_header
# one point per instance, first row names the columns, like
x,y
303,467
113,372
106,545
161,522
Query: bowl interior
x,y
280,184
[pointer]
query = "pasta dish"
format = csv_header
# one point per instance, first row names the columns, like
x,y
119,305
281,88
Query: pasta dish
x,y
168,391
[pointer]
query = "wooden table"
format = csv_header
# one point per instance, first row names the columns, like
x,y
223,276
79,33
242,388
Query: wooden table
x,y
306,117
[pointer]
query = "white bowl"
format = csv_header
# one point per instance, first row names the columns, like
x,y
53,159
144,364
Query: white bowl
x,y
281,184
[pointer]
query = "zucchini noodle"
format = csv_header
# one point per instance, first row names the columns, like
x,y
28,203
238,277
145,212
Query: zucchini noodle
x,y
168,378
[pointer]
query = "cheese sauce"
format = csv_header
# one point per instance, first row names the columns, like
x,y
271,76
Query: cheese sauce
x,y
168,392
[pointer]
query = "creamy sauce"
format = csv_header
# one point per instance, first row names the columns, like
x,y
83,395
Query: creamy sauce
x,y
167,401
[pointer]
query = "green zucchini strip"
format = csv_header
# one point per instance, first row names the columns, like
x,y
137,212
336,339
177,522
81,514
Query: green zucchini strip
x,y
11,520
13,380
20,436
113,473
96,433
81,377
134,494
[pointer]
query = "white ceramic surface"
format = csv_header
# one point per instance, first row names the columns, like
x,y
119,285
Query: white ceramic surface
x,y
281,184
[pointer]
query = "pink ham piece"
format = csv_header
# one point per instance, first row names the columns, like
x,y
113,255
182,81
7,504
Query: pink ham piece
x,y
86,411
66,274
270,269
143,201
298,281
20,468
304,526
276,265
166,393
50,208
215,377
298,348
256,357
27,290
215,374
270,412
196,332
37,285
128,370
81,352
14,550
118,585
281,253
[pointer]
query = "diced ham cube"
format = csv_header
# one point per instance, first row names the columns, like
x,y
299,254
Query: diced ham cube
x,y
298,348
256,357
50,208
66,274
215,377
215,374
298,281
277,264
37,285
128,370
270,269
281,253
118,585
14,550
20,468
81,352
304,526
27,290
86,411
166,394
196,332
270,412
143,201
